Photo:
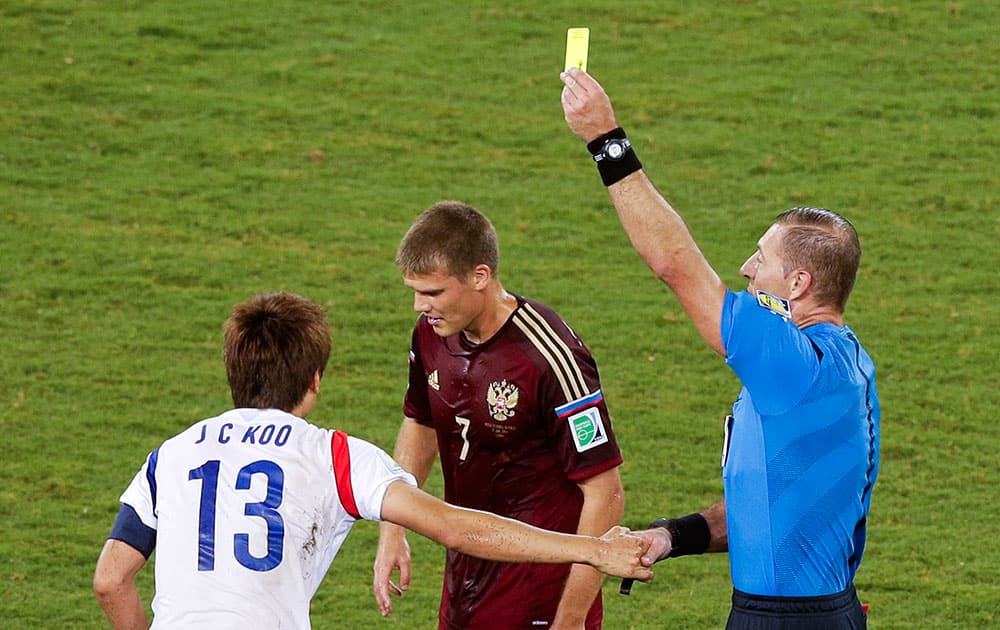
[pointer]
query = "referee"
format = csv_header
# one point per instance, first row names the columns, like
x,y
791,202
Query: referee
x,y
800,453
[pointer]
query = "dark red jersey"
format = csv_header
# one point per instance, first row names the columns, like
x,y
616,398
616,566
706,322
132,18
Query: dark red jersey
x,y
520,420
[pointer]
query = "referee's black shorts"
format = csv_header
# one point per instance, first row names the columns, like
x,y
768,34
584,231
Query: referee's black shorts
x,y
840,611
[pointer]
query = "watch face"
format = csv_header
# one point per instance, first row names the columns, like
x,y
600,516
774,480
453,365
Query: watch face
x,y
615,150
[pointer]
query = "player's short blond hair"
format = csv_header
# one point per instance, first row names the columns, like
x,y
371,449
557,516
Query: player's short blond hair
x,y
451,237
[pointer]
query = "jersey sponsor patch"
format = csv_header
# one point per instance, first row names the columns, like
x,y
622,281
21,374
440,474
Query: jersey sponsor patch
x,y
774,304
587,428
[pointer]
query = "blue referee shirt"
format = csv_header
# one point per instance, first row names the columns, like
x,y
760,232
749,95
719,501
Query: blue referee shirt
x,y
801,452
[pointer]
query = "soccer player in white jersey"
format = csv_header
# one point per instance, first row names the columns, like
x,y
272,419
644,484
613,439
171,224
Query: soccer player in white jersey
x,y
248,509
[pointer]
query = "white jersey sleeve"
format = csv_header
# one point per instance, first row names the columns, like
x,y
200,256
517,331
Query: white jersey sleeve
x,y
140,493
371,472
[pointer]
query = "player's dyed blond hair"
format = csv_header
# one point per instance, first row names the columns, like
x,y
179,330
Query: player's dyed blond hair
x,y
826,245
451,237
274,344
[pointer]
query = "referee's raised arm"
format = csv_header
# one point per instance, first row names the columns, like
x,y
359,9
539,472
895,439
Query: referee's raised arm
x,y
656,230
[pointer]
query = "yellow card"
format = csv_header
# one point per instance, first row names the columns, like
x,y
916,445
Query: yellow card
x,y
577,43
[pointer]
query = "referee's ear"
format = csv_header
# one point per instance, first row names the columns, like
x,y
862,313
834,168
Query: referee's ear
x,y
800,282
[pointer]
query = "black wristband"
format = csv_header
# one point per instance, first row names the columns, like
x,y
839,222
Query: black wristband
x,y
595,145
689,535
613,170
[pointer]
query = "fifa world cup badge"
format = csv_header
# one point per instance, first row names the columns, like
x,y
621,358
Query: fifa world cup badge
x,y
775,304
588,429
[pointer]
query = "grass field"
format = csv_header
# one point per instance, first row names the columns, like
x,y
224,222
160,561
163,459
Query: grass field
x,y
160,161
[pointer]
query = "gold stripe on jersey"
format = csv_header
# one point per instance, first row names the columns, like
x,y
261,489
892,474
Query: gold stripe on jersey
x,y
555,351
567,352
553,362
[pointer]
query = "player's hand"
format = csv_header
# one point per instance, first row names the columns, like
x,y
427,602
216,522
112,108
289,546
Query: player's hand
x,y
658,545
622,554
393,554
586,106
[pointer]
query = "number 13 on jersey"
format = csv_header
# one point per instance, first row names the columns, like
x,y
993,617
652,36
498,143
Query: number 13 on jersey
x,y
267,510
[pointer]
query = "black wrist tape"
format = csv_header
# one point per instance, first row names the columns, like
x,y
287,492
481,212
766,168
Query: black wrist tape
x,y
689,535
611,170
595,145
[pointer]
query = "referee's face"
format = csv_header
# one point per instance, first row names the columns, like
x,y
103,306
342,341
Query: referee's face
x,y
765,267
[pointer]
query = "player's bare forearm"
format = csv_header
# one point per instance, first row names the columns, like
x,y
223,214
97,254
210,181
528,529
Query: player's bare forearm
x,y
582,586
393,554
603,507
114,586
124,611
415,451
493,537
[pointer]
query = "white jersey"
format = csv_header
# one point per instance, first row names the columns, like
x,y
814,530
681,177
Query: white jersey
x,y
249,509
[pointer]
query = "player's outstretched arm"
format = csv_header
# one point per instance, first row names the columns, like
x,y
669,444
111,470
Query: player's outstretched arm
x,y
114,585
493,537
655,229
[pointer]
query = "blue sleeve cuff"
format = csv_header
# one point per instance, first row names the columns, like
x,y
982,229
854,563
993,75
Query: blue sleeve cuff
x,y
130,529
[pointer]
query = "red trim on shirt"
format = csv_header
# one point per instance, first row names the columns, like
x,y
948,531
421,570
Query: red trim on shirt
x,y
342,471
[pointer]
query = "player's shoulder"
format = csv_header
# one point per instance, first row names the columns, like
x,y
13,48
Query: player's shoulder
x,y
555,348
356,443
537,306
532,315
